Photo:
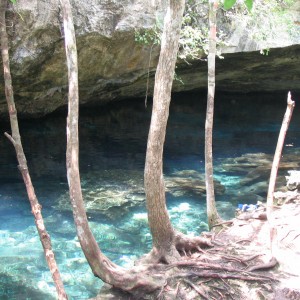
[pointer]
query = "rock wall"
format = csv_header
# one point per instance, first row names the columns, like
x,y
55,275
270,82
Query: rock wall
x,y
112,66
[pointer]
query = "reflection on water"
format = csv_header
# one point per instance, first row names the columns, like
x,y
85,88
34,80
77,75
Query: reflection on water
x,y
112,152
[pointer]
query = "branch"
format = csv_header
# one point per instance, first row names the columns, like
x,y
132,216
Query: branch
x,y
10,138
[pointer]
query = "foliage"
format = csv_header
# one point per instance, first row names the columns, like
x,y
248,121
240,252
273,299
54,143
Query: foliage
x,y
266,24
230,3
149,36
178,78
262,21
193,42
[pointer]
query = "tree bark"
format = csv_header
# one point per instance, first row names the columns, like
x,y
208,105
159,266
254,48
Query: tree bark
x,y
162,231
15,138
87,241
141,279
137,280
275,165
212,214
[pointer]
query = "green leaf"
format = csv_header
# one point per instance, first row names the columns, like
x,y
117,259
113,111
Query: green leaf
x,y
229,3
249,4
13,1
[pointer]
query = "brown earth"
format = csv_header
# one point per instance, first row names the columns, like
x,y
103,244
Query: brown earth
x,y
240,265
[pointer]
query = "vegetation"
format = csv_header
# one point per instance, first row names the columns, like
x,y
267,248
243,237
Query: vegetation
x,y
212,214
15,139
170,249
260,20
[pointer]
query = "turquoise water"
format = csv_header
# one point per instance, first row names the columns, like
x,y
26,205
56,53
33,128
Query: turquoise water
x,y
112,152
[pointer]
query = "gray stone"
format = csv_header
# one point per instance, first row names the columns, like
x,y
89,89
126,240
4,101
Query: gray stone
x,y
255,170
189,182
114,192
112,66
293,180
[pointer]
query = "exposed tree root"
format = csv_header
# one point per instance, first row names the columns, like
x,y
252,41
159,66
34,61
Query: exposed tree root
x,y
184,279
231,265
183,246
271,264
186,245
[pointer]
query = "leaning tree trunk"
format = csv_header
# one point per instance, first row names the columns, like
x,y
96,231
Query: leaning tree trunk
x,y
212,213
162,231
15,138
137,280
275,166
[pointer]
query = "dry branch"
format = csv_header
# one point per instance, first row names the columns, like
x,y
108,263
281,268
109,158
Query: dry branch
x,y
15,139
275,165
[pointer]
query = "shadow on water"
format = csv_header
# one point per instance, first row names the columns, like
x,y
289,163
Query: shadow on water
x,y
112,154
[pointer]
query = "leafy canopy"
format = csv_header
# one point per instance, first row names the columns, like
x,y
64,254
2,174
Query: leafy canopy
x,y
229,4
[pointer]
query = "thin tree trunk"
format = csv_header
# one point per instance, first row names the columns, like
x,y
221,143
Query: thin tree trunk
x,y
212,214
158,217
16,141
87,241
275,165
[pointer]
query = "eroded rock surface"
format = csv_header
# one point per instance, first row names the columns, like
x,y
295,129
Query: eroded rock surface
x,y
255,168
112,66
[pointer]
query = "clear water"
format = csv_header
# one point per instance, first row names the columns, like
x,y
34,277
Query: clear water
x,y
112,152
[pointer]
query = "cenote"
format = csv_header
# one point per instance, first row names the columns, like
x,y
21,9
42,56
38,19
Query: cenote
x,y
112,154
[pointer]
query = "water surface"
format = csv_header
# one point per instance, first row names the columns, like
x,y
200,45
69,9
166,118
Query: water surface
x,y
112,153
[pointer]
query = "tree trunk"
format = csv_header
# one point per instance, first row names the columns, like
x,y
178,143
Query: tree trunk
x,y
141,279
87,241
138,280
158,217
275,165
16,141
212,213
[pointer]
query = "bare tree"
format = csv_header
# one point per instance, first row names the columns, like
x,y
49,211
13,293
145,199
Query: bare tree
x,y
134,280
168,244
162,231
212,214
98,262
15,138
275,166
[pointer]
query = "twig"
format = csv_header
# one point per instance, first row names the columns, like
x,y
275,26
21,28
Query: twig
x,y
196,288
243,240
226,276
227,286
250,258
177,288
223,223
10,138
162,289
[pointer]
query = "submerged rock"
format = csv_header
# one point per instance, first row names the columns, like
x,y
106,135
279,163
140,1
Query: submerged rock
x,y
255,168
189,182
114,192
110,192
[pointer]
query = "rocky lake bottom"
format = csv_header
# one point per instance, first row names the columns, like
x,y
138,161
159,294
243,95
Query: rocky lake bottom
x,y
112,152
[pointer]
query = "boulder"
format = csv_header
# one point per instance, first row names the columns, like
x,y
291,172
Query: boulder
x,y
114,192
293,180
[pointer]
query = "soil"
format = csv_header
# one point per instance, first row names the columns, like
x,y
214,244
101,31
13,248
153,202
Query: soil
x,y
240,265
